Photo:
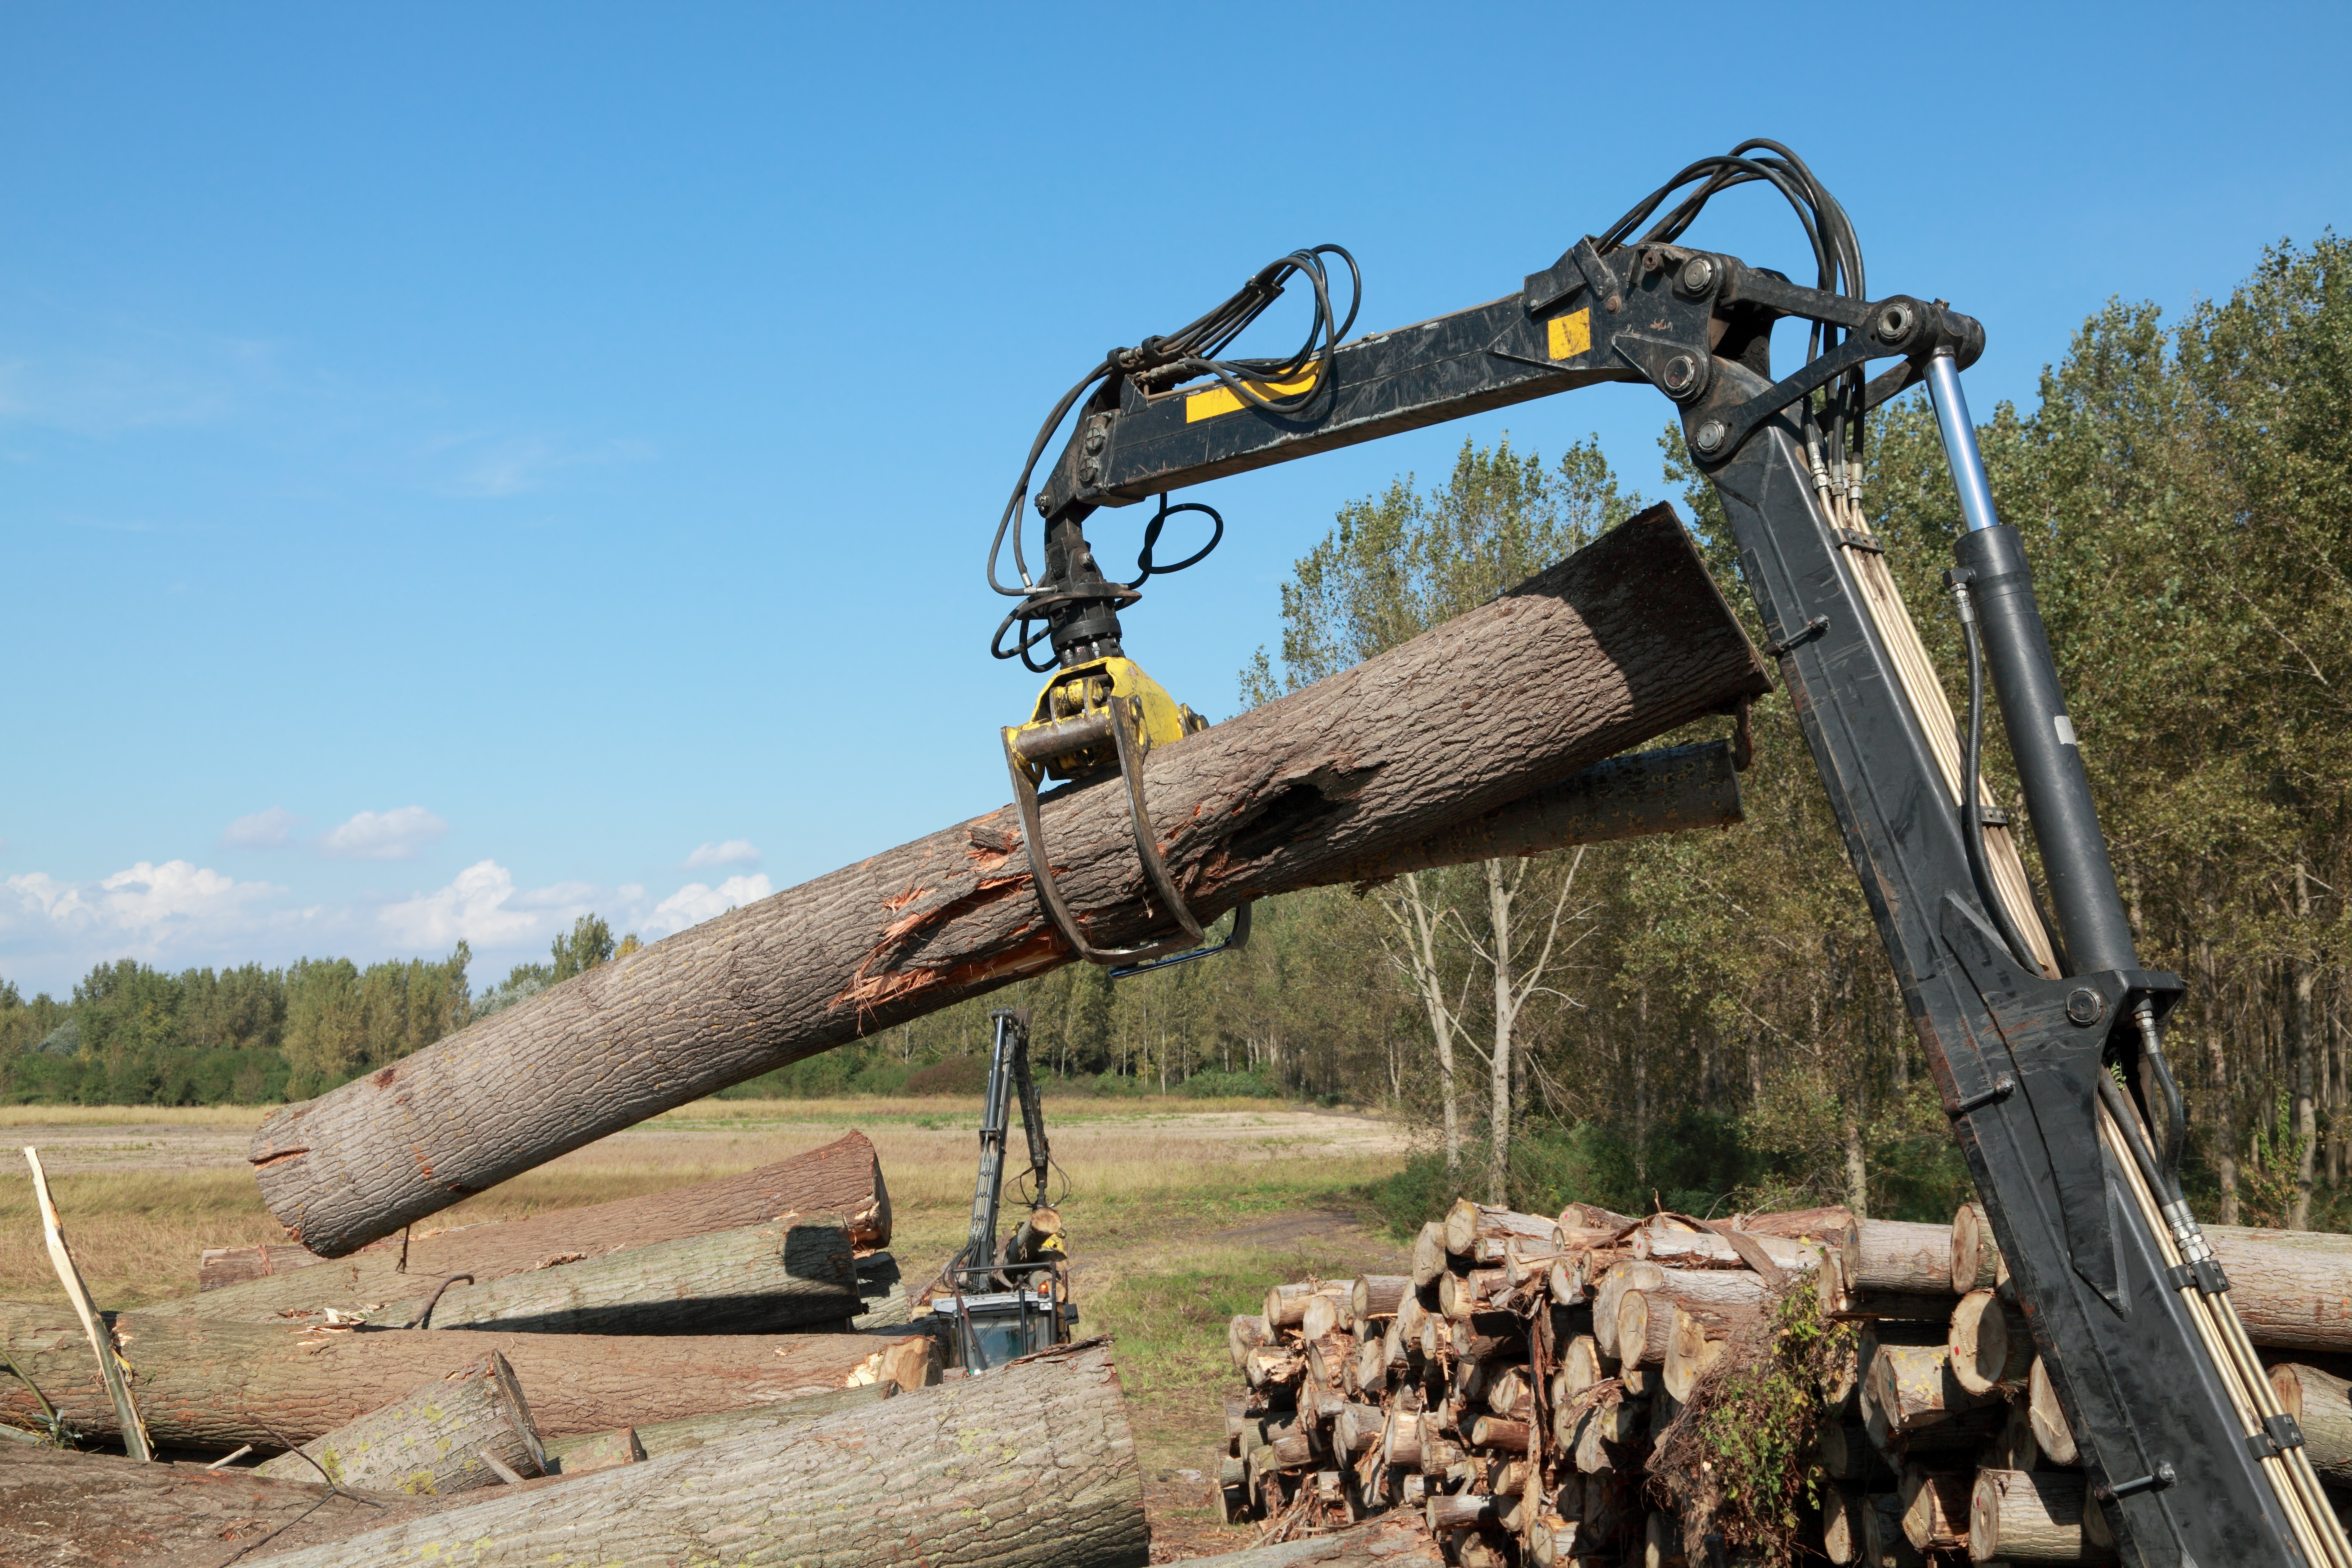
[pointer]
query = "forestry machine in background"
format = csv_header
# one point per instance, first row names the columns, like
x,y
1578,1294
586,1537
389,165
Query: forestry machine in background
x,y
1005,1302
2046,1037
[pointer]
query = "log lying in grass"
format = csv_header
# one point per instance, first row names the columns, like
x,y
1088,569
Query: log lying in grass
x,y
434,1441
202,1383
1624,640
697,1431
59,1507
1032,1466
764,1278
842,1177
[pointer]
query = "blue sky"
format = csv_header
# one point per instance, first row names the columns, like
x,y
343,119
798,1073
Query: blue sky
x,y
464,466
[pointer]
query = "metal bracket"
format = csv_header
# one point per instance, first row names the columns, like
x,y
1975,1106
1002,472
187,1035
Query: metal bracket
x,y
2002,1088
1799,638
2156,1480
1848,539
1132,752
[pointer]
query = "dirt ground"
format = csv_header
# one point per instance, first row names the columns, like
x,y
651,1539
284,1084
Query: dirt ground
x,y
1179,1217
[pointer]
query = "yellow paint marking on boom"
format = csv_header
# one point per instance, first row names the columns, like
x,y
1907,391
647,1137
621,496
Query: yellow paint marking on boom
x,y
1571,335
1218,400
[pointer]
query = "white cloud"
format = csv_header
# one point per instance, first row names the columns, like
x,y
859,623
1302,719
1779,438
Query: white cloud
x,y
731,852
272,829
695,903
482,905
489,467
167,914
395,835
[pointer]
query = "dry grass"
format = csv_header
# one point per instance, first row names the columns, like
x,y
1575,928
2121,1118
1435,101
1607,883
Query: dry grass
x,y
138,1209
133,1115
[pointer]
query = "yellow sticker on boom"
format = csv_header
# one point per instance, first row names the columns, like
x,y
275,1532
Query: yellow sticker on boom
x,y
1570,334
1218,400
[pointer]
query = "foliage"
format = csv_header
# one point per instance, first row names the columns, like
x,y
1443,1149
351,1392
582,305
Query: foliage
x,y
1736,1462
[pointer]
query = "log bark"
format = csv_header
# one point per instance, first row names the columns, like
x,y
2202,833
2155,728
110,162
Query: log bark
x,y
843,1177
2021,1516
1624,640
1387,1542
767,1278
219,1266
1914,1387
1581,1366
2321,1404
430,1442
2049,1417
1935,1507
1032,1466
1468,1222
1377,1296
1621,1278
204,1384
1645,1318
1844,1536
1428,1253
1701,1336
1887,1256
1246,1332
1992,1349
1710,1249
2291,1294
693,1431
1977,1262
60,1506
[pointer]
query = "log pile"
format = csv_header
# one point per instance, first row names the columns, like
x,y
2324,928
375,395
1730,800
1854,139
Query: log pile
x,y
1511,1391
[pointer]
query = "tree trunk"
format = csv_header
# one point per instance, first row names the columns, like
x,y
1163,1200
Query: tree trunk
x,y
2221,1147
1620,1279
1645,1317
1914,1387
59,1507
2020,1516
842,1177
2047,1416
697,1431
1032,1466
1468,1224
206,1383
2301,1046
1935,1507
1701,1337
429,1442
1624,640
1898,1256
764,1278
1499,896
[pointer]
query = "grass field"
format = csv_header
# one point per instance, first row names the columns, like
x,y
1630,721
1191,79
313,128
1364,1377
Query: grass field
x,y
1181,1211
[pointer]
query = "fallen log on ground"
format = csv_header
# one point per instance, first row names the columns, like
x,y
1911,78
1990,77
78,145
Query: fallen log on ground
x,y
1032,1466
842,1177
792,1274
204,1384
59,1507
695,1431
1624,641
431,1441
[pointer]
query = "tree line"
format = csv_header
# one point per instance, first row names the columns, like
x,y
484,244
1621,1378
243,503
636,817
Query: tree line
x,y
1707,1020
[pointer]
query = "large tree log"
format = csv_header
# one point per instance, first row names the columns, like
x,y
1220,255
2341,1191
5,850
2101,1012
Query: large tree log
x,y
1991,1348
1032,1466
764,1278
431,1441
60,1506
1624,640
843,1177
1895,1256
205,1383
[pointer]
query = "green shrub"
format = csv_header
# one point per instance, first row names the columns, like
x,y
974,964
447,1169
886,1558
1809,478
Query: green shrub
x,y
1214,1085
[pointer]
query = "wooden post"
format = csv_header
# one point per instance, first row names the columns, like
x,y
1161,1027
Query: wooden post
x,y
103,1344
1624,640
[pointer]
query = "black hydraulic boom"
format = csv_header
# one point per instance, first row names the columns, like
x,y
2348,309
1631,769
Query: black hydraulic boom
x,y
2108,1267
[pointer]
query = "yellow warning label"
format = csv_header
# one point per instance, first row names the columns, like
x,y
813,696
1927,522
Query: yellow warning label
x,y
1218,400
1570,334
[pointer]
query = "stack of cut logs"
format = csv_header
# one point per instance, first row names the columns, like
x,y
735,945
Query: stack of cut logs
x,y
1508,1389
751,1327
